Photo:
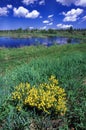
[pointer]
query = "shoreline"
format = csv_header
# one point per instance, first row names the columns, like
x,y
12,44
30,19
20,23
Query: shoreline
x,y
64,34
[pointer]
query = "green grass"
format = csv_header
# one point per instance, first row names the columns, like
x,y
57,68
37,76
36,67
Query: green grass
x,y
36,65
10,58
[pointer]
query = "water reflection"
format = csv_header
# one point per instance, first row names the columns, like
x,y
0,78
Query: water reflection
x,y
19,42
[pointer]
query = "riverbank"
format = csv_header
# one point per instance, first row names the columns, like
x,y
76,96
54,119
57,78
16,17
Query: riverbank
x,y
11,57
43,33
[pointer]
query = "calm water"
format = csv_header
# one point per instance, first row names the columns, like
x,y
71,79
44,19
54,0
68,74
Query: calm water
x,y
19,42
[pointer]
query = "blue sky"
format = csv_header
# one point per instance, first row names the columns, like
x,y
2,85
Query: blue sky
x,y
42,14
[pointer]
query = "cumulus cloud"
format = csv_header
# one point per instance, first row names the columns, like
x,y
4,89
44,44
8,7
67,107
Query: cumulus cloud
x,y
80,3
20,12
4,11
33,14
28,2
64,26
45,21
72,15
50,16
9,6
23,12
75,2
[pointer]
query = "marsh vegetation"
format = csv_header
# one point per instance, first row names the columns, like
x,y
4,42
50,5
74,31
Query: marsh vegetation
x,y
34,66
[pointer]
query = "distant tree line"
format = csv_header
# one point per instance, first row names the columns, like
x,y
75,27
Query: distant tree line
x,y
44,31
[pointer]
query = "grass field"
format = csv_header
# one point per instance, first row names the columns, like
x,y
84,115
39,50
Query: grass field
x,y
36,65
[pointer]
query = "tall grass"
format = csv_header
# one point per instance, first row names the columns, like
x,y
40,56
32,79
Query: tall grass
x,y
68,64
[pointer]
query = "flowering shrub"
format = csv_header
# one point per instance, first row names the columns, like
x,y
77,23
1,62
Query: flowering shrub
x,y
47,97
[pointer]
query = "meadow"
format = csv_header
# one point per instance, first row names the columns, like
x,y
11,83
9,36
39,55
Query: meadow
x,y
43,88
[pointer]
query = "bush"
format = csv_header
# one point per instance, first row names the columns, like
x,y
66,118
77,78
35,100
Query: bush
x,y
48,97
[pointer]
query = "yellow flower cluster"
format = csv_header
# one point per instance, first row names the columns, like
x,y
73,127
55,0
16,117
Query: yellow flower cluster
x,y
21,91
46,97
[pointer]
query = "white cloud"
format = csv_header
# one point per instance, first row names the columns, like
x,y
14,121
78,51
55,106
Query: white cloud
x,y
75,2
33,14
50,24
49,21
4,11
64,26
45,21
31,27
84,18
65,2
20,12
23,12
81,3
42,2
9,6
43,27
28,2
72,15
50,16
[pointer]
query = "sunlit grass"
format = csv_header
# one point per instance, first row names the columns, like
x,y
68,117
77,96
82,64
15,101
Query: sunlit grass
x,y
35,65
